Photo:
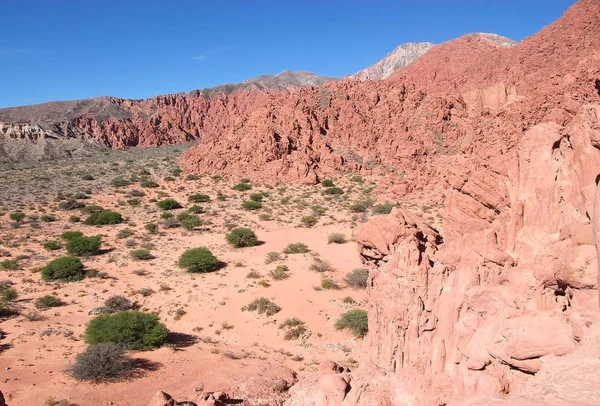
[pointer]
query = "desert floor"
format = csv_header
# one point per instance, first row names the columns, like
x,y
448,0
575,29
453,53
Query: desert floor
x,y
213,340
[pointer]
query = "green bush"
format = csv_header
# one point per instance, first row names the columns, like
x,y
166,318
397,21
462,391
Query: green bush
x,y
7,293
66,269
333,191
328,283
92,208
280,272
357,278
196,209
83,246
241,237
296,248
309,221
251,205
47,218
17,216
133,202
198,198
69,235
327,183
140,254
148,183
191,222
102,362
74,219
198,260
383,208
104,218
152,228
51,245
119,182
46,302
9,264
359,207
257,197
242,187
133,329
356,321
169,204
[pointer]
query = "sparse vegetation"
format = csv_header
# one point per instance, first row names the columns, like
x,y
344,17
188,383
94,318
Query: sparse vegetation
x,y
383,208
333,191
280,272
357,278
117,303
47,301
336,238
102,362
69,235
251,205
140,254
296,248
83,246
242,187
327,183
51,245
263,305
199,198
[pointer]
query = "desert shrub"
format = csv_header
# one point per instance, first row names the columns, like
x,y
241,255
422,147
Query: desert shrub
x,y
321,266
70,204
47,218
265,217
251,205
336,238
198,198
196,209
133,202
349,300
92,208
383,208
168,179
318,210
51,245
137,193
177,171
66,269
124,233
140,254
102,362
83,246
241,237
148,183
242,187
328,283
171,223
152,228
17,216
168,204
192,177
357,278
296,248
117,303
273,256
333,191
191,222
356,321
198,260
327,183
257,197
104,218
309,221
46,302
7,293
359,207
294,328
74,219
87,176
356,178
166,215
135,330
263,305
280,272
69,235
119,182
9,264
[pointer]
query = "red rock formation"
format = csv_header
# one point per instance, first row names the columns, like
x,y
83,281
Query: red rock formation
x,y
509,285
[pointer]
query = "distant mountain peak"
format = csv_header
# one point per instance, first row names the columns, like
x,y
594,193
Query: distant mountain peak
x,y
397,59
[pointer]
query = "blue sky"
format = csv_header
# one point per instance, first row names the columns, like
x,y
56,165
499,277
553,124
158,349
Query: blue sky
x,y
63,49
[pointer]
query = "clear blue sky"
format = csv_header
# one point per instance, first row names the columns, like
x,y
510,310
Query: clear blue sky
x,y
67,49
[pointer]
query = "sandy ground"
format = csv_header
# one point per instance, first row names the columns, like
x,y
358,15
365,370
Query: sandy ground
x,y
35,354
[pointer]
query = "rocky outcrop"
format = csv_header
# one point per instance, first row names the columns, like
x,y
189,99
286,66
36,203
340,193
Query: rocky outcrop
x,y
397,59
